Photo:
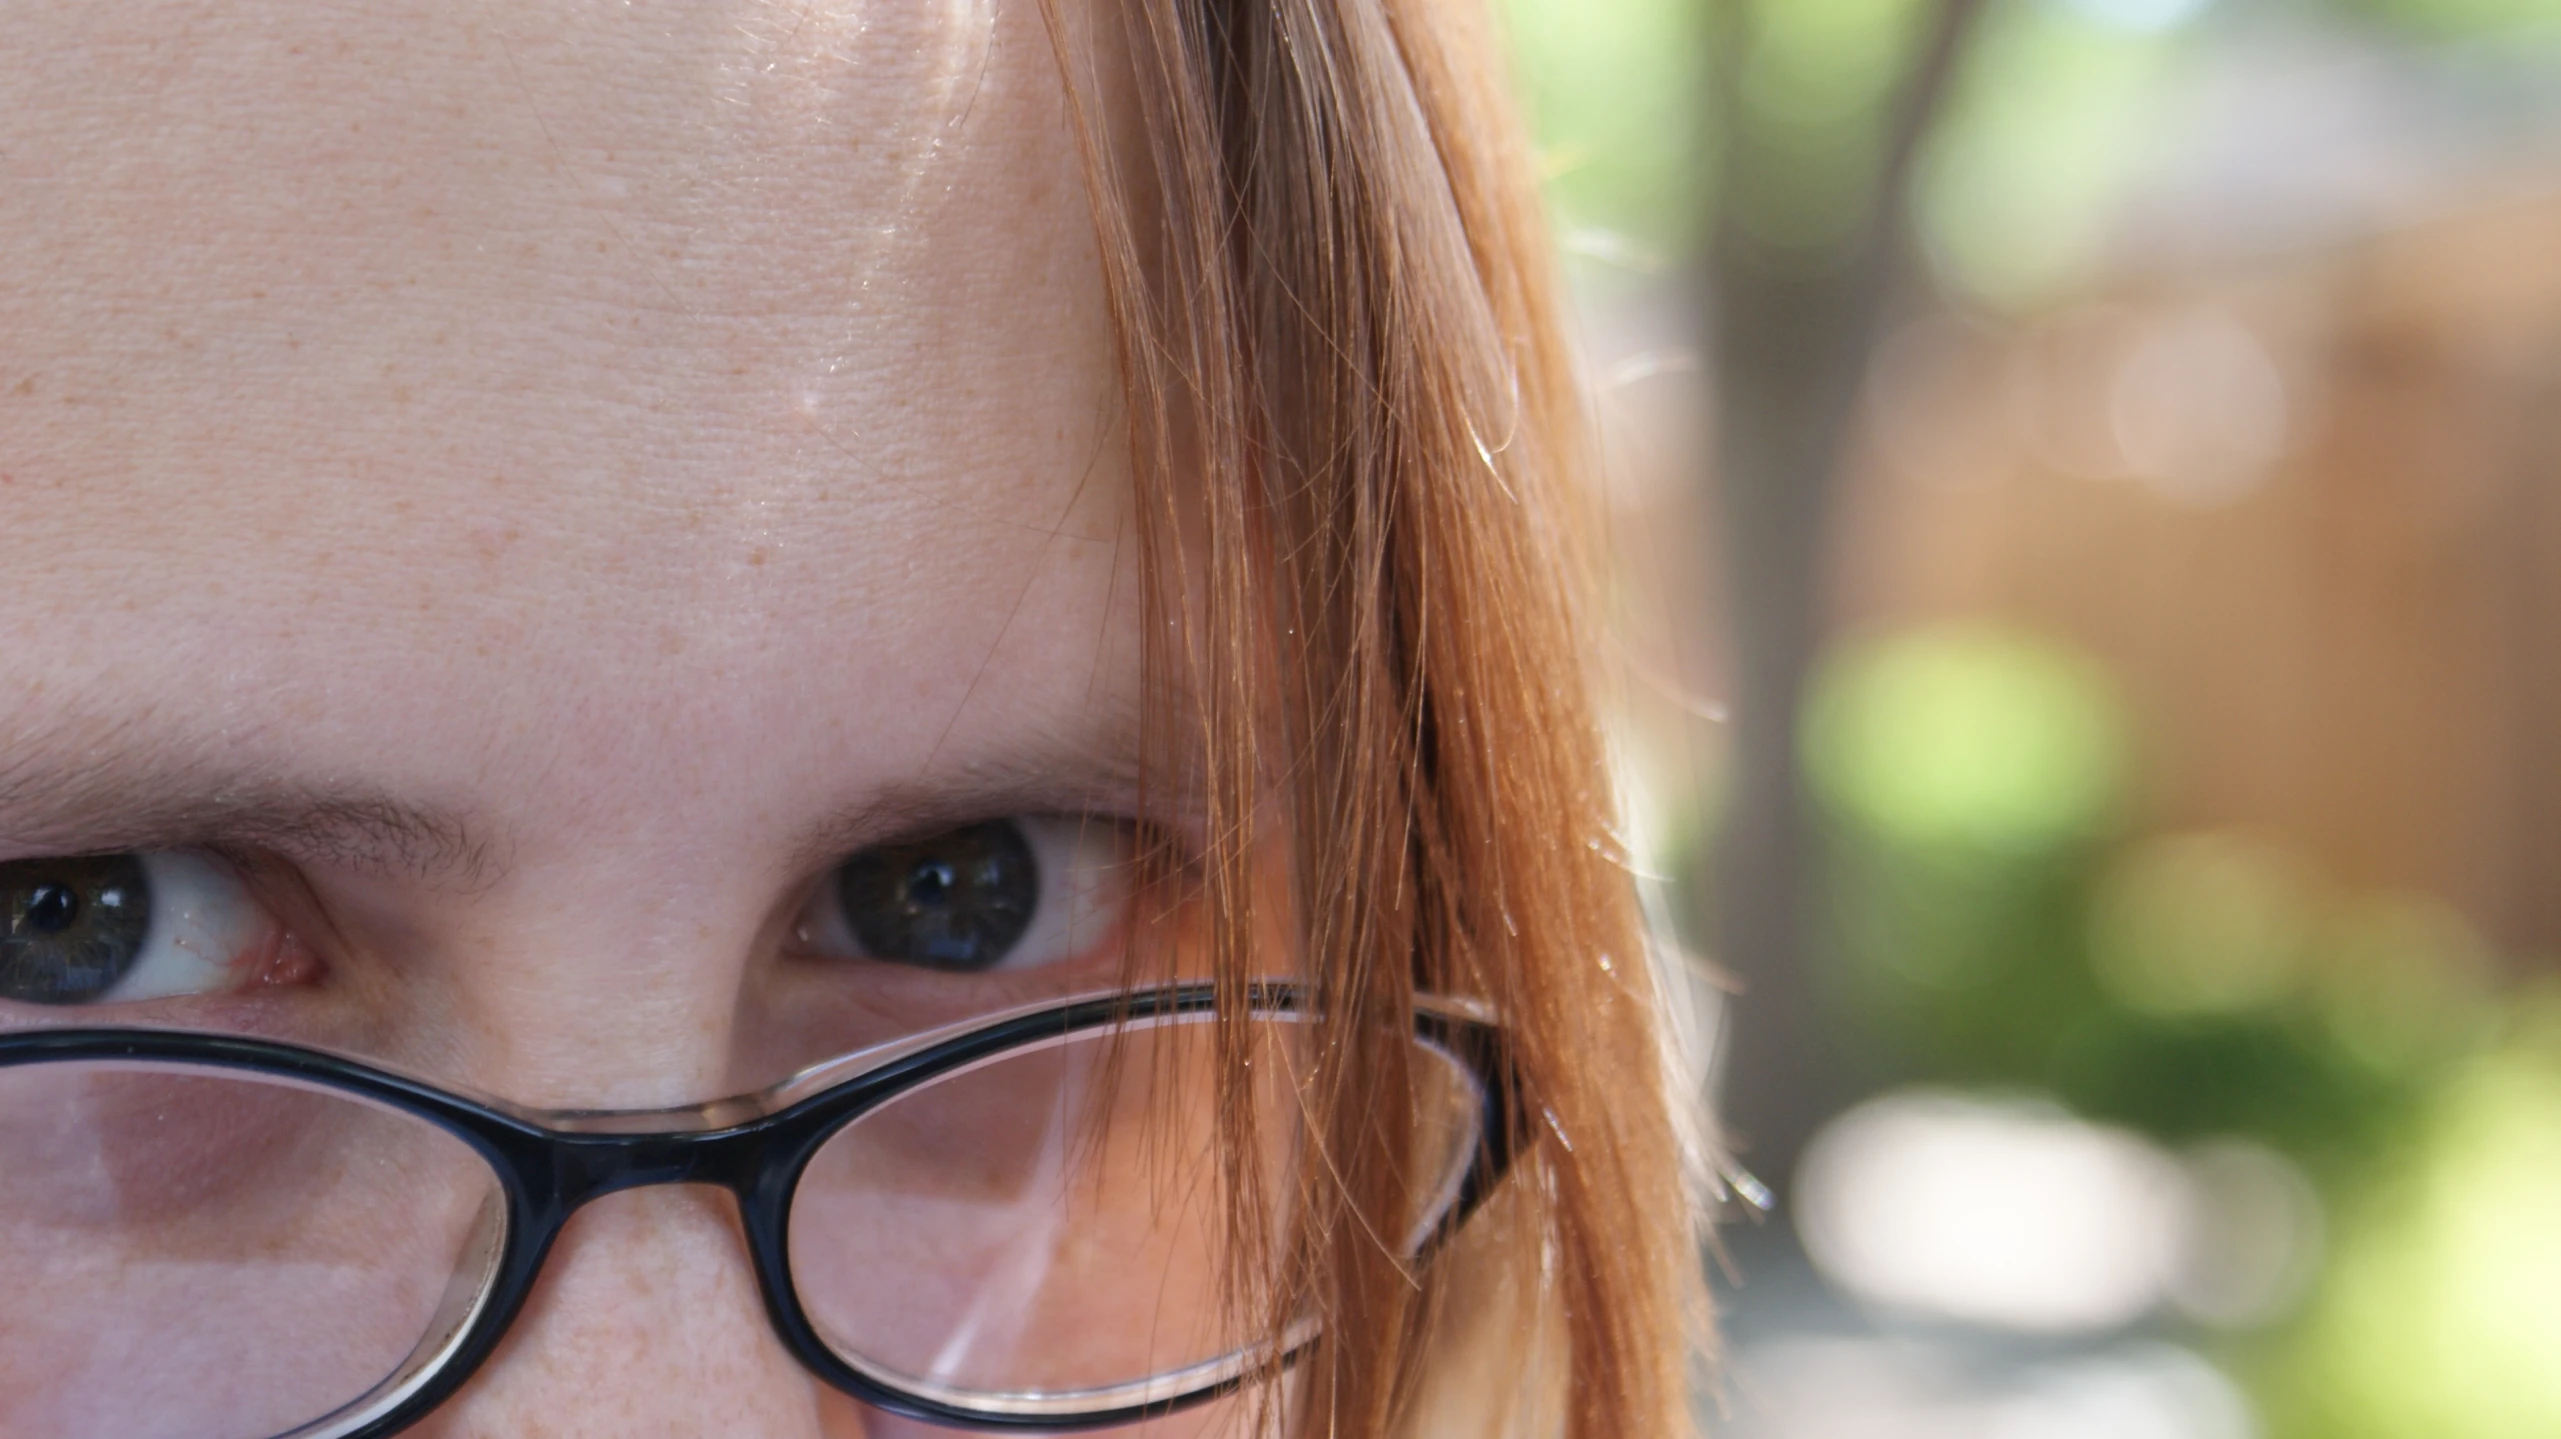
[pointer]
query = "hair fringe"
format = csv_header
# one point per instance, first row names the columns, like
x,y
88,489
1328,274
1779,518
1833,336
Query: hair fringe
x,y
1362,457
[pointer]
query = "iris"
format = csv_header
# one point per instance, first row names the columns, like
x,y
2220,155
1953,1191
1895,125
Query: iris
x,y
73,929
959,900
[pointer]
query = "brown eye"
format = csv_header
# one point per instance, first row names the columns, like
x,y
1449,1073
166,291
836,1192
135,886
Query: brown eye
x,y
72,928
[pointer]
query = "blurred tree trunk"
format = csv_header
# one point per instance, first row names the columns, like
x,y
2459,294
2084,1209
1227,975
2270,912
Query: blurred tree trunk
x,y
1790,321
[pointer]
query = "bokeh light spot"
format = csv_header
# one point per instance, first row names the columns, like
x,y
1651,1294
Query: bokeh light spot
x,y
2404,980
1967,737
2202,924
2004,1214
2445,1310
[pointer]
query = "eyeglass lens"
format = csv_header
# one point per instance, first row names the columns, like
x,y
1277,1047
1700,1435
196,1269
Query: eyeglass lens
x,y
216,1254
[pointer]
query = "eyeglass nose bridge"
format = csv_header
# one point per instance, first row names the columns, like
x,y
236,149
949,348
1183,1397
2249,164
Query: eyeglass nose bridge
x,y
587,1167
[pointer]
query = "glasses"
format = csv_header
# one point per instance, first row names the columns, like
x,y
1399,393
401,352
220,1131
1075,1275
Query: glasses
x,y
1017,1224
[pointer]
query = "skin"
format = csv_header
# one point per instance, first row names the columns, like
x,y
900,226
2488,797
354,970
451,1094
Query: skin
x,y
544,480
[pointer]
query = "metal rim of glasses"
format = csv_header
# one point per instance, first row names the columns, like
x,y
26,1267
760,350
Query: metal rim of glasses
x,y
549,1164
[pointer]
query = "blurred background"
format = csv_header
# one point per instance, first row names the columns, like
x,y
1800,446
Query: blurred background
x,y
2087,488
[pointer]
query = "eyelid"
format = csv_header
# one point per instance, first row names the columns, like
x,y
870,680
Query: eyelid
x,y
279,886
1008,792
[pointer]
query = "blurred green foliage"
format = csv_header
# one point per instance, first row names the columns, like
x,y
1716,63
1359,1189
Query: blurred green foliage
x,y
2018,189
2441,18
1998,924
2202,924
2441,1315
2058,108
1626,98
1810,81
1996,917
1618,95
1995,923
1968,738
1970,771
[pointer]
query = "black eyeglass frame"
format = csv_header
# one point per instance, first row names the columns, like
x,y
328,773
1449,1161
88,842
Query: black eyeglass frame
x,y
549,1165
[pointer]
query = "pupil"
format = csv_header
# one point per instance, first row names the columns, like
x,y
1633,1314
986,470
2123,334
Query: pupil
x,y
52,909
931,884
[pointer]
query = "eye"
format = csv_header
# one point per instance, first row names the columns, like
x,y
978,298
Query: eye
x,y
113,928
1001,894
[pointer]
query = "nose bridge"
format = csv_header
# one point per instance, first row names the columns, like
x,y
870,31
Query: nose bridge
x,y
646,1323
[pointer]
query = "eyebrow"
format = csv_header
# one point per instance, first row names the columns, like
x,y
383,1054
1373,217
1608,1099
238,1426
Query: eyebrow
x,y
109,808
130,786
154,800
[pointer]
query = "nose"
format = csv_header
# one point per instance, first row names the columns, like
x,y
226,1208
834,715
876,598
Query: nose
x,y
646,1324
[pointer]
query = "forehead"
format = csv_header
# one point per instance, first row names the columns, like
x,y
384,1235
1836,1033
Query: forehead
x,y
535,356
698,226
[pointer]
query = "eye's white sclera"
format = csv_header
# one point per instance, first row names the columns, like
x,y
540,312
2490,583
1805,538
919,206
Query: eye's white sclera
x,y
1084,886
203,918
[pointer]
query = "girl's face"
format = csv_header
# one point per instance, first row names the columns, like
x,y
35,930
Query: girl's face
x,y
503,498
